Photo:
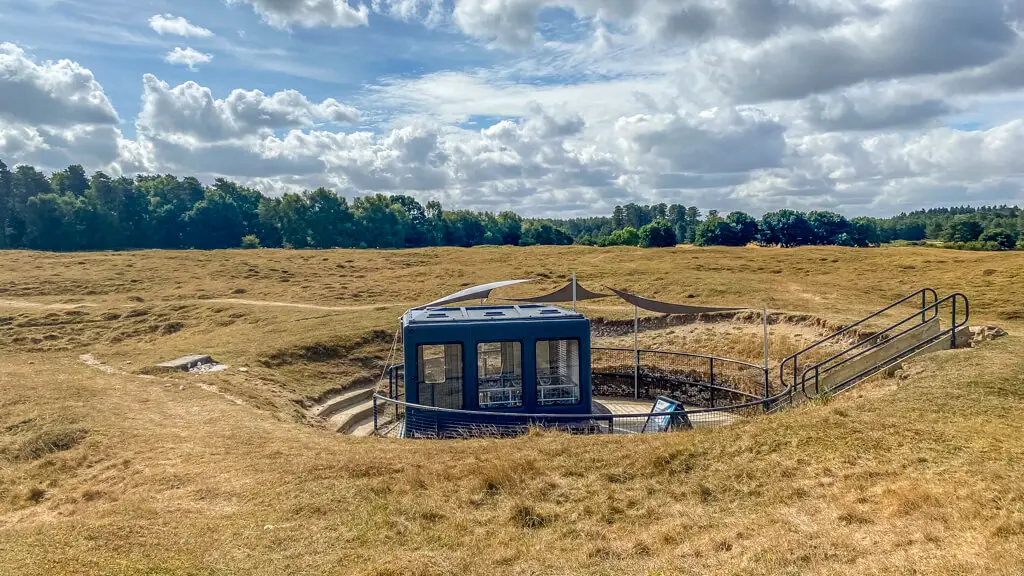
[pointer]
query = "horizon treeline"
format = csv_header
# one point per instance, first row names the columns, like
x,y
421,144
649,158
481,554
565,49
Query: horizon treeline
x,y
69,210
961,227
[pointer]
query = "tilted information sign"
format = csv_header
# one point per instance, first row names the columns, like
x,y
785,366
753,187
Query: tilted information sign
x,y
672,416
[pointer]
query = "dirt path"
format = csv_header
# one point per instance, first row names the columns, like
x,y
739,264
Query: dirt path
x,y
304,306
27,304
269,303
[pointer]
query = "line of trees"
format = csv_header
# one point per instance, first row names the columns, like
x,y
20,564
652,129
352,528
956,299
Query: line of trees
x,y
71,210
965,227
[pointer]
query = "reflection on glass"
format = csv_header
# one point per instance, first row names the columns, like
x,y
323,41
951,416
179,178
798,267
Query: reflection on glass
x,y
558,372
499,367
440,375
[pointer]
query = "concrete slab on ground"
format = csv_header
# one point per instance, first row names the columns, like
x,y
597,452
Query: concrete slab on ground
x,y
186,363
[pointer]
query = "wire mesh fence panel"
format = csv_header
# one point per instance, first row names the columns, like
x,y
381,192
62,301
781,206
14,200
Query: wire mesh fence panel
x,y
744,378
612,371
711,392
681,377
427,422
388,415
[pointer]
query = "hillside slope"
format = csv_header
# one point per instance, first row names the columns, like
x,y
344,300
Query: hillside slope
x,y
116,472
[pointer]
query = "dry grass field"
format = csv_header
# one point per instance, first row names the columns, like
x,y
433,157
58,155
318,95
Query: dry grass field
x,y
113,468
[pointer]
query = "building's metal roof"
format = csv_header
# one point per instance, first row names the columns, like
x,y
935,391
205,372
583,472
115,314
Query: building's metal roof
x,y
486,314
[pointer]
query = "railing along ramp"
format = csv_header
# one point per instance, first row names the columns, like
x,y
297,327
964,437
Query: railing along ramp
x,y
935,324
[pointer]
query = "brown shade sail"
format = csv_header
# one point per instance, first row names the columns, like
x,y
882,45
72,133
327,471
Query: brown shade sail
x,y
667,307
563,294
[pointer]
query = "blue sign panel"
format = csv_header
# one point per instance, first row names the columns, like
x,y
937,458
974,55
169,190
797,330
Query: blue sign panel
x,y
673,416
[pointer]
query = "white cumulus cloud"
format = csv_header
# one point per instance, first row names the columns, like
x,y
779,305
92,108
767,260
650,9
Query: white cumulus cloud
x,y
61,93
54,113
191,110
177,26
309,13
187,57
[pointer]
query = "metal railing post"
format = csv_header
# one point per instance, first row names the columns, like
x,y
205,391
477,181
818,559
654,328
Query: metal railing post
x,y
374,414
712,370
952,325
796,367
636,375
767,389
924,305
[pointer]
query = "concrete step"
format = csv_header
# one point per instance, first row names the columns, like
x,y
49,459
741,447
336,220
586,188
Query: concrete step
x,y
362,428
352,417
345,400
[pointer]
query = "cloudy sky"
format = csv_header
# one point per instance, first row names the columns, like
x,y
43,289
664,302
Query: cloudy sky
x,y
548,107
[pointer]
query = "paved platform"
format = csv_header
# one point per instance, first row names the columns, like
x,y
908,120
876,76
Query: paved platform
x,y
628,406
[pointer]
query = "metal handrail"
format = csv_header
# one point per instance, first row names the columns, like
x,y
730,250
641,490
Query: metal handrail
x,y
687,354
764,402
730,408
395,367
954,326
923,293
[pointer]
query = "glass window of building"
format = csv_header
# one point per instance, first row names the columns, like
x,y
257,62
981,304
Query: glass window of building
x,y
499,368
558,372
440,375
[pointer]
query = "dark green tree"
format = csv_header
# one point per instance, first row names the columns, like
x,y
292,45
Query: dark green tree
x,y
543,233
382,223
418,233
510,227
657,234
328,220
7,206
714,232
864,232
628,236
288,216
693,217
49,222
744,228
248,202
170,200
215,222
618,218
136,228
962,228
827,227
786,228
71,181
464,228
1001,236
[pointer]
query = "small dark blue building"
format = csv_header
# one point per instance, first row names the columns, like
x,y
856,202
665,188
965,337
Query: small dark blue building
x,y
527,359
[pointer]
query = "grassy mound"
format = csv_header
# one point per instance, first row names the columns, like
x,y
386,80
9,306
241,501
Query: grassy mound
x,y
114,472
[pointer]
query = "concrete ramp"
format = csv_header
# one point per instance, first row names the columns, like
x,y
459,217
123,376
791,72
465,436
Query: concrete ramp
x,y
865,361
859,362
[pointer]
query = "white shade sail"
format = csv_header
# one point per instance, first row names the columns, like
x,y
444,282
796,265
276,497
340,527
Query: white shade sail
x,y
474,293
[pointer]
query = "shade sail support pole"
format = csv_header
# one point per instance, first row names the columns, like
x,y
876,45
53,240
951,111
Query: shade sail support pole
x,y
764,323
636,352
574,291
